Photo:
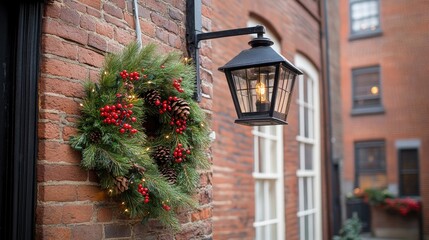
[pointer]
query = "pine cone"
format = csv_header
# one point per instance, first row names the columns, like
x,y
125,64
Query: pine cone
x,y
95,137
121,184
152,96
169,174
180,109
162,155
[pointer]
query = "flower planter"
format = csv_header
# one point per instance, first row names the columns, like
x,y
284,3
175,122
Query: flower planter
x,y
393,225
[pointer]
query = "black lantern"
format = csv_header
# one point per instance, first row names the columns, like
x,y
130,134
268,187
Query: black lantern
x,y
261,83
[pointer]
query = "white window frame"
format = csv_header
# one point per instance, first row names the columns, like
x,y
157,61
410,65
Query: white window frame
x,y
276,163
272,173
313,208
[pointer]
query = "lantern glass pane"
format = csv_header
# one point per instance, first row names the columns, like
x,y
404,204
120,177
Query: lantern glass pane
x,y
286,79
254,88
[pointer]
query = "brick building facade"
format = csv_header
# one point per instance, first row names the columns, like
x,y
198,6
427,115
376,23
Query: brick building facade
x,y
296,26
75,36
385,109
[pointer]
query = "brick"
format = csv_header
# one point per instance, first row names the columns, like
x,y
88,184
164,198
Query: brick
x,y
70,16
57,193
158,20
174,40
90,192
176,14
54,172
119,3
69,132
104,215
52,10
94,75
203,214
92,3
49,215
157,6
113,10
147,28
97,42
162,35
130,20
60,103
88,23
47,130
75,5
93,12
87,232
49,116
123,37
57,152
53,233
104,29
117,230
76,213
90,57
116,21
64,69
63,87
65,31
59,47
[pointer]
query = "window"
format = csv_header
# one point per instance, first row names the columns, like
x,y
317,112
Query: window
x,y
309,180
364,18
408,172
370,164
366,90
268,173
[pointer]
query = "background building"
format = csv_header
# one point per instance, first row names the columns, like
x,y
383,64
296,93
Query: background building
x,y
384,47
270,182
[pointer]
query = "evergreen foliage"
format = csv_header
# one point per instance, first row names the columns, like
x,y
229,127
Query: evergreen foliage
x,y
115,155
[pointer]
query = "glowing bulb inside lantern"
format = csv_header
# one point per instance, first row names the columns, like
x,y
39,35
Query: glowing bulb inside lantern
x,y
261,90
262,103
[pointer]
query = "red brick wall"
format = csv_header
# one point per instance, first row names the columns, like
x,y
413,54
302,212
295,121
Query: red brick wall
x,y
233,185
401,51
76,35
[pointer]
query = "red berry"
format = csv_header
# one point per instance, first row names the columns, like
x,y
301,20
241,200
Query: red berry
x,y
162,66
133,119
188,151
101,109
130,105
122,130
146,200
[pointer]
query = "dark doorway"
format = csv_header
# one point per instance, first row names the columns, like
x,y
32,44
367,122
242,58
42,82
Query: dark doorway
x,y
19,66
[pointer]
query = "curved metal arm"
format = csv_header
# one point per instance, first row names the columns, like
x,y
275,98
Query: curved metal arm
x,y
194,35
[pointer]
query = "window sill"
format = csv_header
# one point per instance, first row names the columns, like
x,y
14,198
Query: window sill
x,y
367,111
356,36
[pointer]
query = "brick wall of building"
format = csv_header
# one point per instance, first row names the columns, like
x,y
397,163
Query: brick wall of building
x,y
75,37
401,51
233,185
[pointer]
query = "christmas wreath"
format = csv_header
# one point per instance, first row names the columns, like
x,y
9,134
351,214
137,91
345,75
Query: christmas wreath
x,y
143,134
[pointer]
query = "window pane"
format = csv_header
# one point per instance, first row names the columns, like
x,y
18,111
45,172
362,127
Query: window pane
x,y
366,87
371,157
372,180
364,16
409,172
370,164
408,159
409,184
308,156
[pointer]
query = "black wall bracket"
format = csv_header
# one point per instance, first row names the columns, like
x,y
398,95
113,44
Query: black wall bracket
x,y
194,35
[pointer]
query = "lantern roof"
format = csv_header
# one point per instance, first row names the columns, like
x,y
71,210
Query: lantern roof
x,y
260,54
